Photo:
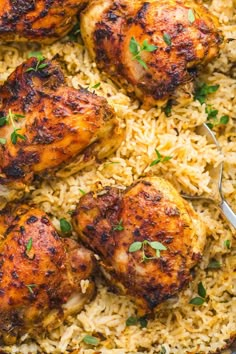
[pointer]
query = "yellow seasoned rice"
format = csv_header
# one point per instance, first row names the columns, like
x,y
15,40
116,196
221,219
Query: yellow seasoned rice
x,y
177,326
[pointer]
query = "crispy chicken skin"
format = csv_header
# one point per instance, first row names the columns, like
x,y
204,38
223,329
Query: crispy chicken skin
x,y
183,43
39,20
39,271
59,123
152,210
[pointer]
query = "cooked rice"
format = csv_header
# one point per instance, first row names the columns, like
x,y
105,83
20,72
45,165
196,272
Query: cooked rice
x,y
178,327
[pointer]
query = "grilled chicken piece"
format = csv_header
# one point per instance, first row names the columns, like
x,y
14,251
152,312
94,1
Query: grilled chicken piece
x,y
39,20
56,123
115,223
40,273
119,34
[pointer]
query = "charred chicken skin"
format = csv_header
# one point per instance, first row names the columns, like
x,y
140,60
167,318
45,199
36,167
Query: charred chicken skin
x,y
39,20
148,238
45,124
153,46
39,272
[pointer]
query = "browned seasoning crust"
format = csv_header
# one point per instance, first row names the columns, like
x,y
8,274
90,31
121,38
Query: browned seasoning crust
x,y
39,271
59,122
39,20
108,26
151,209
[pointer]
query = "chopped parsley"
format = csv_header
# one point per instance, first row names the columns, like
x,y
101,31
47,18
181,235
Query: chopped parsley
x,y
138,245
82,191
227,244
74,32
134,321
203,90
214,264
160,158
91,340
136,49
39,65
29,245
191,16
65,226
167,108
167,39
119,226
11,118
202,296
96,85
30,287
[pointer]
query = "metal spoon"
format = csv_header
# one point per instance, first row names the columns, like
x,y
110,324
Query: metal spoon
x,y
216,173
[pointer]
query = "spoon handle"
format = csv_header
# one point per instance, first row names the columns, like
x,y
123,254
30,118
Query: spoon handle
x,y
228,213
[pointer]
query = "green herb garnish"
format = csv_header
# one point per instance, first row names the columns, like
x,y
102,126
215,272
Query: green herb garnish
x,y
160,158
163,350
202,293
74,32
3,141
11,118
39,65
29,245
119,226
157,246
65,226
91,340
203,90
167,108
167,39
136,49
134,321
227,244
15,136
191,16
82,191
214,264
96,85
30,287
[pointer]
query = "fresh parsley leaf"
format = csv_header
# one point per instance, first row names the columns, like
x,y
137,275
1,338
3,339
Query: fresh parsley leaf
x,y
197,301
91,340
29,245
82,191
224,119
15,136
163,350
167,108
96,85
3,121
134,321
160,158
227,244
37,55
135,246
65,226
136,49
74,32
191,16
30,287
131,321
201,290
214,264
203,90
39,65
119,226
167,39
143,322
3,141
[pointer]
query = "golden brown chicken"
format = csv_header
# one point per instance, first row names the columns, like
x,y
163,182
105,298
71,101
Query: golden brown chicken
x,y
38,20
148,238
40,273
45,124
153,46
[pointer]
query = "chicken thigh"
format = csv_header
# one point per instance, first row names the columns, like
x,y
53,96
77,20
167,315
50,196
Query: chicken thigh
x,y
46,125
151,46
40,273
39,20
148,238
